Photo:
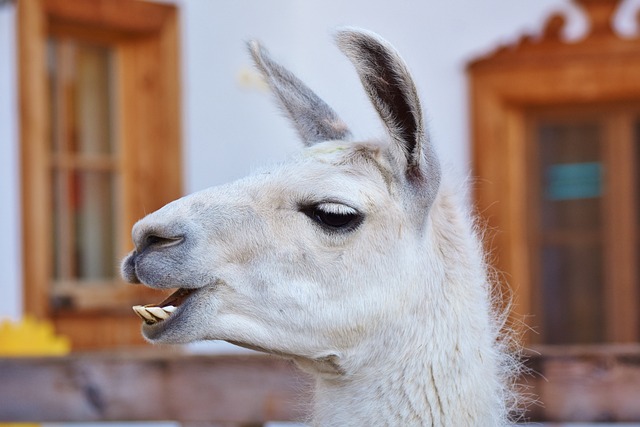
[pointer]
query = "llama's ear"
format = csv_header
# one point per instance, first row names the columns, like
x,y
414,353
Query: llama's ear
x,y
314,120
390,88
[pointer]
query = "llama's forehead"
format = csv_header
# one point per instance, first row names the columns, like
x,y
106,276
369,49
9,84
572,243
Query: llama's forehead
x,y
339,152
334,168
334,171
338,172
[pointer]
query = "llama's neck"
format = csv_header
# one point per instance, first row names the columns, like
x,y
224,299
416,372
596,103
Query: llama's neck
x,y
439,364
428,387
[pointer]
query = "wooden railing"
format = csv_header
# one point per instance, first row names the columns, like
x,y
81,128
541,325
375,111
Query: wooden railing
x,y
234,390
573,384
584,383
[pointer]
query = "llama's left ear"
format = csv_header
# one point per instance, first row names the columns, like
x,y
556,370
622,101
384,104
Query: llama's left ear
x,y
390,88
314,120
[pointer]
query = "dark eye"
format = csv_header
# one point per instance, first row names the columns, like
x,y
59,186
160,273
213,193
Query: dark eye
x,y
334,216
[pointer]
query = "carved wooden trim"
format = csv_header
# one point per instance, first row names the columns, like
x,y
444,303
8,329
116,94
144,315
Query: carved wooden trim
x,y
601,69
599,40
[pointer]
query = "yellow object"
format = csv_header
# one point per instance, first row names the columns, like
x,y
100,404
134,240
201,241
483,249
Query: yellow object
x,y
31,337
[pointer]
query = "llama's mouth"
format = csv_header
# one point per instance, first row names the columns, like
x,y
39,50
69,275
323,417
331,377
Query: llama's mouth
x,y
154,313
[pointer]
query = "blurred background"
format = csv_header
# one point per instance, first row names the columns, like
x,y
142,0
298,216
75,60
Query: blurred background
x,y
111,108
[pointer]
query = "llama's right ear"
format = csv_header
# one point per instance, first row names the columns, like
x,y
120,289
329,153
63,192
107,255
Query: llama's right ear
x,y
314,120
392,91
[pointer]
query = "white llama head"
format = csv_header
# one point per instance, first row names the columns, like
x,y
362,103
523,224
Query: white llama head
x,y
311,258
348,258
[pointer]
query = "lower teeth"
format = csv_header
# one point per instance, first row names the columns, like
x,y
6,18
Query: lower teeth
x,y
153,314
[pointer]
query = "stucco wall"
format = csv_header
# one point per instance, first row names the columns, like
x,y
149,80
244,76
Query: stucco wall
x,y
230,124
10,259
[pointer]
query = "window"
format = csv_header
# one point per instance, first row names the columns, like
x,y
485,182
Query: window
x,y
556,145
583,222
84,167
100,138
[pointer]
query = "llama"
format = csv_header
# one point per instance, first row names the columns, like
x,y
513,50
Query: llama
x,y
350,258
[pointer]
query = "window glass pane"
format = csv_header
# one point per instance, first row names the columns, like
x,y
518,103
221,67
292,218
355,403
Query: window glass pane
x,y
571,176
573,295
84,162
93,105
84,226
80,77
570,231
63,228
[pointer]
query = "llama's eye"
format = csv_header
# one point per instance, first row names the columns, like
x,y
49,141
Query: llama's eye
x,y
334,216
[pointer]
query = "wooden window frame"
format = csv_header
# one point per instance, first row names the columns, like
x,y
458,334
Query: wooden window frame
x,y
619,233
144,38
599,70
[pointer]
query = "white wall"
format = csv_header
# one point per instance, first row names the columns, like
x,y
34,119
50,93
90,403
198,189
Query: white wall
x,y
231,126
10,257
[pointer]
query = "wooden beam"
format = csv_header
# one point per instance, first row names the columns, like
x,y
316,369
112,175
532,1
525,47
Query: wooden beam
x,y
34,154
122,16
584,384
572,384
126,386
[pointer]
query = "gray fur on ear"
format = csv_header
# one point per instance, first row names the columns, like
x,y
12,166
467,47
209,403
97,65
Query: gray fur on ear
x,y
392,91
313,119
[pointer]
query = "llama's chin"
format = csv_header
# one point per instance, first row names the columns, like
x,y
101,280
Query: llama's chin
x,y
165,332
174,330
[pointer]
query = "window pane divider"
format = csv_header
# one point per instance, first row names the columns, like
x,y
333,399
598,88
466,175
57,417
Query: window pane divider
x,y
105,163
112,295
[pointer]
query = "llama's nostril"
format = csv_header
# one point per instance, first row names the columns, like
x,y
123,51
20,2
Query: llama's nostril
x,y
156,241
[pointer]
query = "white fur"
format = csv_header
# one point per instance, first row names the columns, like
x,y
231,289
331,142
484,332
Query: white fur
x,y
394,317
